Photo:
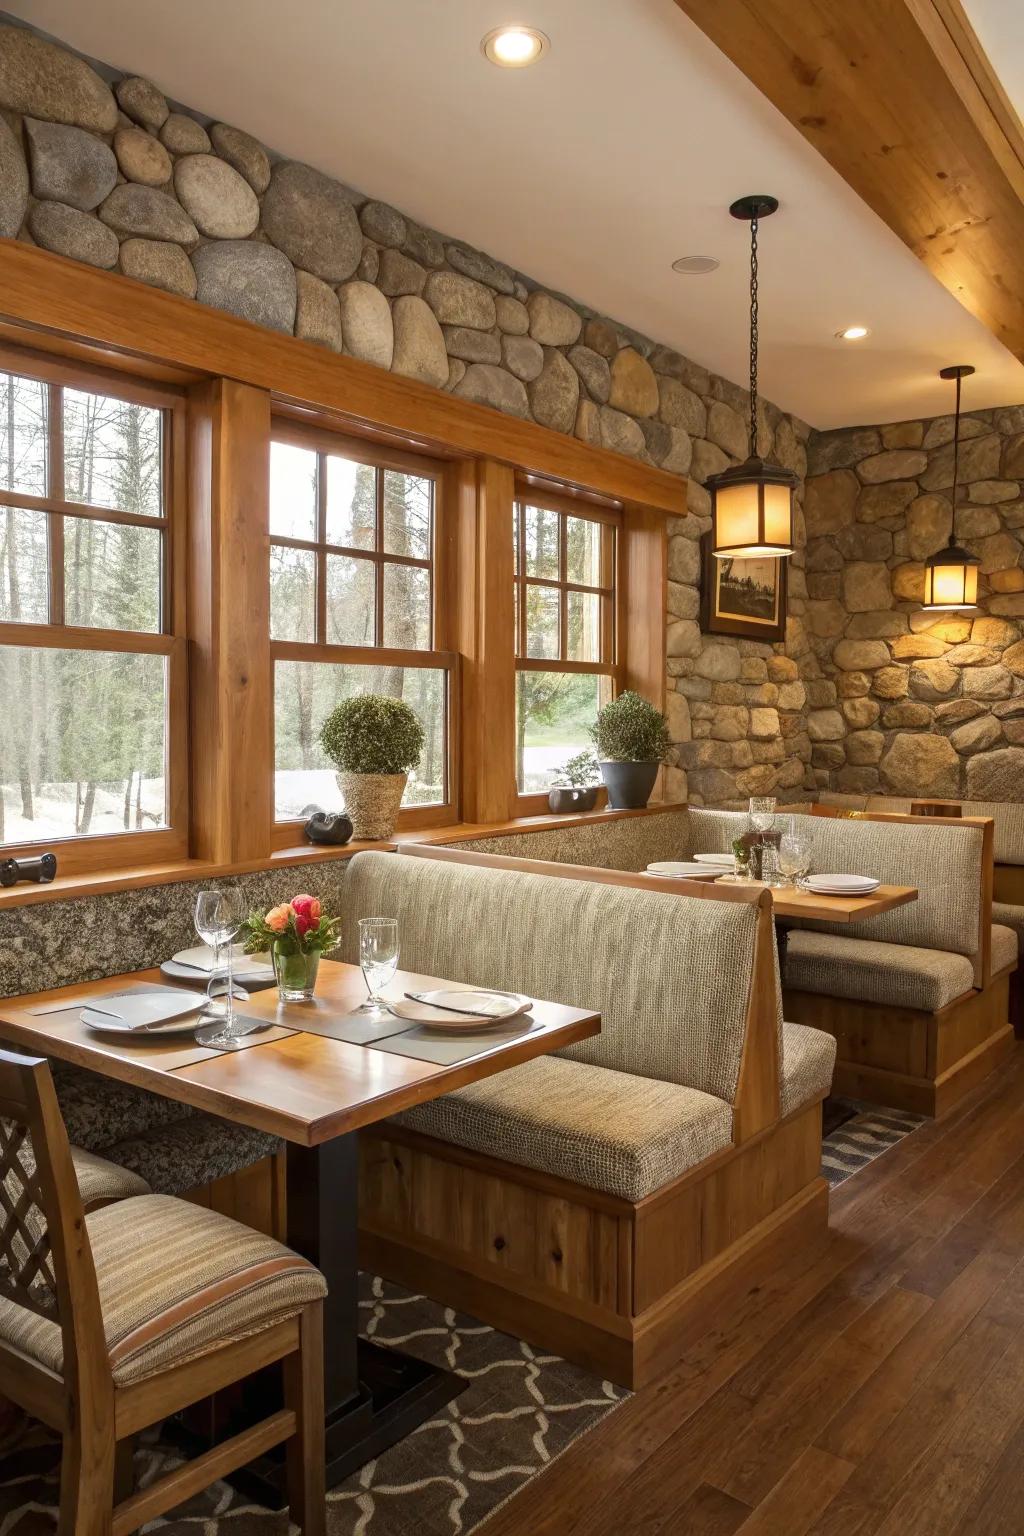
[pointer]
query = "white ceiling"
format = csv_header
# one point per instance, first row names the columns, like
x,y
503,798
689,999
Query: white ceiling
x,y
591,171
1000,28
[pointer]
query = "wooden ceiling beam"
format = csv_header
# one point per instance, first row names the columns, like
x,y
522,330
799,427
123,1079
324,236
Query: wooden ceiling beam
x,y
901,100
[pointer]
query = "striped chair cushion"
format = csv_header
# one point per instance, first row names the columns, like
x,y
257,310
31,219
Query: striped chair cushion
x,y
679,1017
175,1281
863,969
809,1059
99,1179
605,1130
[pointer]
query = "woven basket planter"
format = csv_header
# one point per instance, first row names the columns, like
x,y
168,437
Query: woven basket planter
x,y
372,801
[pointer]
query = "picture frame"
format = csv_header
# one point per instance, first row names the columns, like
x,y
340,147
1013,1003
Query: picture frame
x,y
743,597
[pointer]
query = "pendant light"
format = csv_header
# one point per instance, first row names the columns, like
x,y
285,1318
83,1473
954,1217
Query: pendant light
x,y
752,503
951,575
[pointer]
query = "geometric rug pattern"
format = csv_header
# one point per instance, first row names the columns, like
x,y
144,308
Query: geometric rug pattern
x,y
521,1410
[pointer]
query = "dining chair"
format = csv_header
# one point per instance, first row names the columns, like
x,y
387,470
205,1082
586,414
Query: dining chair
x,y
113,1321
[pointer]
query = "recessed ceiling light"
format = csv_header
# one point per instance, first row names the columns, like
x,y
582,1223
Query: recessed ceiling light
x,y
853,333
695,264
515,47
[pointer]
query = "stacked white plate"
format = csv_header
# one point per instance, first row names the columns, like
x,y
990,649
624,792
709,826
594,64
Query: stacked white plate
x,y
679,870
842,885
716,860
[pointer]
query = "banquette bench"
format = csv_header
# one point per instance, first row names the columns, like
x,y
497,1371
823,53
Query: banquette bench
x,y
598,1201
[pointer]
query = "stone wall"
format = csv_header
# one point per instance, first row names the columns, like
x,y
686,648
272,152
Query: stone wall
x,y
911,703
98,166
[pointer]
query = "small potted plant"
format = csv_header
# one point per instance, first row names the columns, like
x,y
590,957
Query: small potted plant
x,y
631,738
373,741
296,934
575,786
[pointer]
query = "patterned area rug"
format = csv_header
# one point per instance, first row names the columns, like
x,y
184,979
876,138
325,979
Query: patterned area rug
x,y
859,1133
521,1410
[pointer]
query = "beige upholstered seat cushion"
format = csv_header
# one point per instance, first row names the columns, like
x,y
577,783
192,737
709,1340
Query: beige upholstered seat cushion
x,y
809,1059
870,972
100,1180
943,862
1008,916
606,1130
1004,947
175,1281
670,975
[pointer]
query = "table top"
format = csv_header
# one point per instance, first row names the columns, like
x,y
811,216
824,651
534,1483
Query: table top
x,y
790,902
292,1080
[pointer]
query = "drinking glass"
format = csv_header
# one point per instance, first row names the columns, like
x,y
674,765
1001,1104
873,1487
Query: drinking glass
x,y
762,812
218,917
378,957
795,849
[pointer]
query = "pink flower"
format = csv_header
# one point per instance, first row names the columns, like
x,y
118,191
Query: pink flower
x,y
277,919
307,911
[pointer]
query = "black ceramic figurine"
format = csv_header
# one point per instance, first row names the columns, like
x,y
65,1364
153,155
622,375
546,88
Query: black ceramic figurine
x,y
332,827
41,869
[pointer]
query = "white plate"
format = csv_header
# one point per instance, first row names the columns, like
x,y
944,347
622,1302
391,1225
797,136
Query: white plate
x,y
722,860
682,871
201,958
491,1008
145,1012
842,885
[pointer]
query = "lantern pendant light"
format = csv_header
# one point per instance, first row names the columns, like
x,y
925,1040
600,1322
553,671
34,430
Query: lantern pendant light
x,y
951,575
752,503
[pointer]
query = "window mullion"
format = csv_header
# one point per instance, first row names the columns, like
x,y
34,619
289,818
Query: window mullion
x,y
320,623
378,574
55,489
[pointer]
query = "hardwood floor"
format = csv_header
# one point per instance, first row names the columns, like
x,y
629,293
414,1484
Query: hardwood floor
x,y
874,1387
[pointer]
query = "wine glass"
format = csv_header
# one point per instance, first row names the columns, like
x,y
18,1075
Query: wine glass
x,y
378,957
795,849
218,917
762,812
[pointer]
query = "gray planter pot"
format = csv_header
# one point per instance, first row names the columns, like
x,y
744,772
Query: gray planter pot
x,y
629,785
564,800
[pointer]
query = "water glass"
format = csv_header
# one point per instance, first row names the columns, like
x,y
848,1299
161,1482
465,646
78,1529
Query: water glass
x,y
219,914
795,849
378,957
762,812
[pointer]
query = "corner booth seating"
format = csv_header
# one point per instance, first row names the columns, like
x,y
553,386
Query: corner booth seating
x,y
917,998
598,1201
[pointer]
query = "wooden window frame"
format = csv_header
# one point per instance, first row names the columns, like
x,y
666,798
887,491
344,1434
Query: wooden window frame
x,y
78,854
440,657
610,666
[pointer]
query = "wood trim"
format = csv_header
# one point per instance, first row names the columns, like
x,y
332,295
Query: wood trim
x,y
77,373
861,81
229,590
757,1102
52,294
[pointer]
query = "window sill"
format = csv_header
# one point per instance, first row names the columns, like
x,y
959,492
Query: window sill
x,y
107,882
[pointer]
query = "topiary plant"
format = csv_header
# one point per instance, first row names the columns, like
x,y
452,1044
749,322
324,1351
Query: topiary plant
x,y
372,733
630,730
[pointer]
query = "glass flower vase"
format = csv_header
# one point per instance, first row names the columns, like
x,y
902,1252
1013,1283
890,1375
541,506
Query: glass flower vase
x,y
296,973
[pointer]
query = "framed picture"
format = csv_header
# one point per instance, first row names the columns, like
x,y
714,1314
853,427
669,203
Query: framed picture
x,y
742,597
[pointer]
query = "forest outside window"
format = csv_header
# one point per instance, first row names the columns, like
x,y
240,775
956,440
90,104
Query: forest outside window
x,y
90,659
566,663
353,609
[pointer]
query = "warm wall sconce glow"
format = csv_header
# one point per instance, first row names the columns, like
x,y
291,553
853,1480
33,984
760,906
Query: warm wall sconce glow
x,y
515,47
951,575
853,333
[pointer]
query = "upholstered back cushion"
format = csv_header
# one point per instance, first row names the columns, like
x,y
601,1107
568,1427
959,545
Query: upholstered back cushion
x,y
670,975
864,802
944,862
1008,830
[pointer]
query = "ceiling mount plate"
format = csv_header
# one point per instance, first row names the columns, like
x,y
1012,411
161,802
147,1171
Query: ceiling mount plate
x,y
957,371
757,206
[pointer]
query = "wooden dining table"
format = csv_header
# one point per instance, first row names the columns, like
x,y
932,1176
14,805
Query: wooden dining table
x,y
298,1079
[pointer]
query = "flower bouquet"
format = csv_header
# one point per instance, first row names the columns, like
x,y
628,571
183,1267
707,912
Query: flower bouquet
x,y
296,933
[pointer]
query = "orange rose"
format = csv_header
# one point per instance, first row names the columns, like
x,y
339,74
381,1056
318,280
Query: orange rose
x,y
277,919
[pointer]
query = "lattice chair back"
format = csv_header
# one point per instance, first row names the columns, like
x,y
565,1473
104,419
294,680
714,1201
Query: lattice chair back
x,y
45,1260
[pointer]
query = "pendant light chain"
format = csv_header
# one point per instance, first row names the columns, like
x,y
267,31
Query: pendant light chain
x,y
956,451
753,336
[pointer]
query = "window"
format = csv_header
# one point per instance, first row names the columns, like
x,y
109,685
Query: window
x,y
91,662
353,608
565,632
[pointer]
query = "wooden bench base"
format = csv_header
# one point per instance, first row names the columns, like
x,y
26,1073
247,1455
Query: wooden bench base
x,y
618,1288
908,1059
255,1196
